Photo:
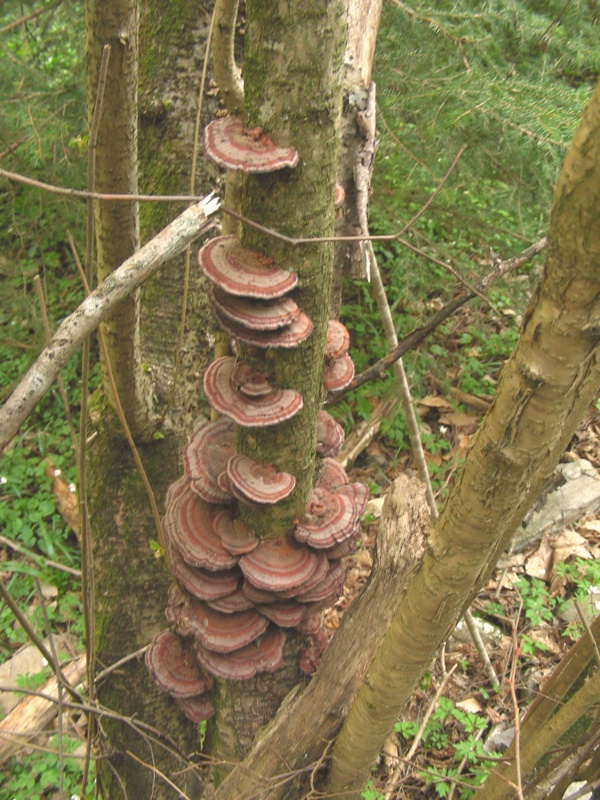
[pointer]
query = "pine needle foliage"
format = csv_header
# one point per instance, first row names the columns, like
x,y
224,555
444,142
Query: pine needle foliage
x,y
509,80
43,120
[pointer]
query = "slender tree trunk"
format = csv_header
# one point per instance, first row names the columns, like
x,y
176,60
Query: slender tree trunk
x,y
115,23
293,90
549,381
131,583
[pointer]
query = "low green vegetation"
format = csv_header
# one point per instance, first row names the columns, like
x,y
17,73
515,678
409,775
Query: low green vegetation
x,y
509,81
39,776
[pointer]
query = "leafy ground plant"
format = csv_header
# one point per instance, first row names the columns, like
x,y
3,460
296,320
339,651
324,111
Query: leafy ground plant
x,y
37,777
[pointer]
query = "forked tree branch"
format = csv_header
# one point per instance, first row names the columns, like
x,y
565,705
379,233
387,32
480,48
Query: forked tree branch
x,y
96,307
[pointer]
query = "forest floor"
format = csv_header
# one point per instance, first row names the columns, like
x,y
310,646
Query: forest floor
x,y
526,616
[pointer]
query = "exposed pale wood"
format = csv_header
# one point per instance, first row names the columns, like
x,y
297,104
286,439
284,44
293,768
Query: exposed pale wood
x,y
33,713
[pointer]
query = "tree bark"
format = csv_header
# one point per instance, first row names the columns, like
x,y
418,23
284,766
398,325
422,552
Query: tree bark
x,y
116,23
545,388
131,583
291,748
293,83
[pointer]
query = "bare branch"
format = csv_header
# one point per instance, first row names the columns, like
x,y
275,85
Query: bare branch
x,y
412,340
95,308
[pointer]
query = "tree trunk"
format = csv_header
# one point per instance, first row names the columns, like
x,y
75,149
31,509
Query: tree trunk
x,y
131,583
546,386
293,82
116,23
291,749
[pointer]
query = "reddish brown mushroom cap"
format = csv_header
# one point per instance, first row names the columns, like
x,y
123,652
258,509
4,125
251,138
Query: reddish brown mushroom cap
x,y
231,145
232,604
196,708
264,655
329,520
338,339
279,564
330,435
258,315
317,576
332,475
223,633
173,665
188,526
249,412
250,381
236,537
338,373
205,456
359,494
329,589
243,272
259,596
258,483
202,583
291,336
342,550
286,614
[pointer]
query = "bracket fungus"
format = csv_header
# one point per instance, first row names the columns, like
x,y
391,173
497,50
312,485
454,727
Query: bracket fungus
x,y
330,435
278,564
188,526
338,373
258,315
246,273
249,412
223,633
330,519
238,588
236,537
231,145
289,336
258,483
173,665
264,655
206,455
338,339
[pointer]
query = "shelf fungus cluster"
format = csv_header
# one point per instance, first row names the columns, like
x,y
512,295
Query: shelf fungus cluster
x,y
237,592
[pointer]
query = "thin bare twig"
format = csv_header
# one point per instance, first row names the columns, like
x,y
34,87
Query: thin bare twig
x,y
416,337
160,775
39,559
515,704
6,596
126,429
125,660
480,647
392,783
584,621
28,17
59,688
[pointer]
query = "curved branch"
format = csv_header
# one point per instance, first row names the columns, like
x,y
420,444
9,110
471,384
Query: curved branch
x,y
95,308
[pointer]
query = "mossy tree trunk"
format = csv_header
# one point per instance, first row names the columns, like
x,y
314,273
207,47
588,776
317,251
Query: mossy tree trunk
x,y
293,90
116,23
131,583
